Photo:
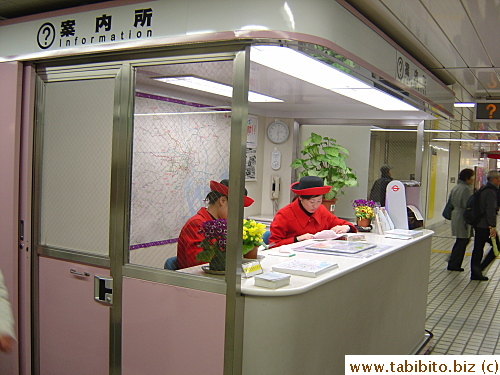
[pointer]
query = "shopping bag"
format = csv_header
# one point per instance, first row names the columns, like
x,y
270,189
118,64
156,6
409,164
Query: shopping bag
x,y
494,244
447,210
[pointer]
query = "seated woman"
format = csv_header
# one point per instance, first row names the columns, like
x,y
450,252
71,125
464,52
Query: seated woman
x,y
190,236
305,216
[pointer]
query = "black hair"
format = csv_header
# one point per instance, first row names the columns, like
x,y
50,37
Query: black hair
x,y
213,196
310,196
465,174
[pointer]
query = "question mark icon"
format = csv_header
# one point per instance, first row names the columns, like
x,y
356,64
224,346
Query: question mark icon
x,y
47,32
46,35
492,108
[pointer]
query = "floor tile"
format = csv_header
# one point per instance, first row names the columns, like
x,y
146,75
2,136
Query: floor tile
x,y
462,314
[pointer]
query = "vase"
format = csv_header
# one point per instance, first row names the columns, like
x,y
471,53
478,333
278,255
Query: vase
x,y
252,254
364,222
218,262
329,204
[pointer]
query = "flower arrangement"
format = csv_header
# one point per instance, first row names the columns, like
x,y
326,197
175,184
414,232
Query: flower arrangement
x,y
214,241
252,235
213,244
363,209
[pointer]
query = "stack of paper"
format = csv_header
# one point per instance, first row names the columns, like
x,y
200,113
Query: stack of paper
x,y
272,280
403,234
340,247
328,234
305,267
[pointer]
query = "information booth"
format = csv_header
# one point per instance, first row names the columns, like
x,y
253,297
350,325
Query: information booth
x,y
119,140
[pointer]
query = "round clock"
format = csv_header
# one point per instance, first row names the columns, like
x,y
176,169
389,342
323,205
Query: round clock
x,y
278,132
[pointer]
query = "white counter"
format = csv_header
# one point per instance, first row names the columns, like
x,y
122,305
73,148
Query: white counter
x,y
367,306
302,284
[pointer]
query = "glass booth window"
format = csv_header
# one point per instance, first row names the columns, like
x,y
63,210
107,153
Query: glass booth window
x,y
180,143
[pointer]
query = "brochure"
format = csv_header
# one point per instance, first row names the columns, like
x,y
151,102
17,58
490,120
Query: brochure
x,y
305,267
350,247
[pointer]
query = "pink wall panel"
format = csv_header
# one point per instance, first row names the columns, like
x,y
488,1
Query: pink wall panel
x,y
74,329
171,330
10,131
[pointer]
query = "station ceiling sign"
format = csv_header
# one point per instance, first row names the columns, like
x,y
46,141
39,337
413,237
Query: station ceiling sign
x,y
488,111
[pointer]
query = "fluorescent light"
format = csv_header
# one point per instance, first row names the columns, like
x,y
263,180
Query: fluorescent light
x,y
376,98
464,105
181,113
440,148
215,88
306,68
438,131
303,67
466,140
480,131
377,129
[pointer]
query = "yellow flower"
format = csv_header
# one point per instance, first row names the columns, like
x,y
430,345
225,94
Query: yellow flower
x,y
252,233
364,212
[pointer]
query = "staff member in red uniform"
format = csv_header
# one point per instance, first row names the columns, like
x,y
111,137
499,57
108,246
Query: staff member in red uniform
x,y
190,238
305,216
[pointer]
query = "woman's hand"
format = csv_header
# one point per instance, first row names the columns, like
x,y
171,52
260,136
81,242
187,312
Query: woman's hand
x,y
6,343
493,232
304,237
341,229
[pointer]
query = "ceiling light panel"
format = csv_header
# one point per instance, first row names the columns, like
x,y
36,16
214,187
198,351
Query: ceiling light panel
x,y
205,85
306,68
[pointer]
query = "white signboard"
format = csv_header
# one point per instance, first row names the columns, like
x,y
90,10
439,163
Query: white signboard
x,y
395,204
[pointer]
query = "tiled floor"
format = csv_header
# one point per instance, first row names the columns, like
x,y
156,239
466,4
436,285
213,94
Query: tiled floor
x,y
463,315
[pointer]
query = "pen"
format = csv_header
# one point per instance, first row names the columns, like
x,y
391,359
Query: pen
x,y
271,245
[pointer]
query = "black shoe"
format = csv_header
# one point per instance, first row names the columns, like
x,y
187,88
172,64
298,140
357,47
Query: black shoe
x,y
479,277
455,269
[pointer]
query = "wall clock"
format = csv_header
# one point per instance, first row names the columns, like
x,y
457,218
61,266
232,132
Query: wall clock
x,y
278,132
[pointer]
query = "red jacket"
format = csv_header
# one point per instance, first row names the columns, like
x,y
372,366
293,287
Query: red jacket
x,y
190,238
291,221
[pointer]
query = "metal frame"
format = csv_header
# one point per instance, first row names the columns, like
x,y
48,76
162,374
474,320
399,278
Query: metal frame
x,y
118,226
235,302
58,70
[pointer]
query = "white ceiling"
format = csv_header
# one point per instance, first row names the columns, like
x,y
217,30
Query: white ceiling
x,y
455,39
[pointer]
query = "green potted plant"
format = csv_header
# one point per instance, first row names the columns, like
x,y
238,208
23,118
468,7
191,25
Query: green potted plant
x,y
324,158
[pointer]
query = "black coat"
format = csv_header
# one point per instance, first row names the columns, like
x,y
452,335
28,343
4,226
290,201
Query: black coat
x,y
377,194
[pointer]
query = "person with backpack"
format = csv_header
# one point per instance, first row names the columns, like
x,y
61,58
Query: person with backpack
x,y
459,196
486,228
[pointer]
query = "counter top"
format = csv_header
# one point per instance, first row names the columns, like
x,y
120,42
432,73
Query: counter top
x,y
302,284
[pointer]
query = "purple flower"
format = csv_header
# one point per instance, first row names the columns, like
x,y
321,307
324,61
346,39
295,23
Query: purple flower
x,y
363,202
215,232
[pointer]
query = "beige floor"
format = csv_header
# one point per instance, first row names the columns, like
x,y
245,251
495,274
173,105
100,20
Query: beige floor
x,y
463,315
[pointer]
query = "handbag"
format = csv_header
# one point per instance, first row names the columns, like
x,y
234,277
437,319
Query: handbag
x,y
447,210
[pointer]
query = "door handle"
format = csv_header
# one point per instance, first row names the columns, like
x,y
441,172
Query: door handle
x,y
76,273
103,289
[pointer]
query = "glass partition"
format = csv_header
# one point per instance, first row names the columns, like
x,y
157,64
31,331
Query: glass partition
x,y
180,143
76,165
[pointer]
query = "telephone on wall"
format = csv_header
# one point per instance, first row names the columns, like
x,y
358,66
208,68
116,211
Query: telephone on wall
x,y
275,187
